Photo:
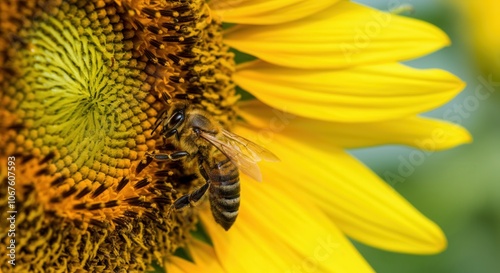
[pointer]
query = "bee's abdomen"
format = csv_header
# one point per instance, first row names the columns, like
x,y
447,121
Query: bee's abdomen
x,y
225,201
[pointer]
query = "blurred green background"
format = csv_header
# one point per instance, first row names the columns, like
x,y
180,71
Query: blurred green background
x,y
459,189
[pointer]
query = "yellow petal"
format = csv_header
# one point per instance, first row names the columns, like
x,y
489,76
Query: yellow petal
x,y
358,94
361,205
205,260
422,133
275,232
266,12
345,34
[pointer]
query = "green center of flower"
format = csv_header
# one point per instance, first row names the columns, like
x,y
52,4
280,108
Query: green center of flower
x,y
79,98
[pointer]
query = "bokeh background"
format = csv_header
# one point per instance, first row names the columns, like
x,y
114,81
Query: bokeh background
x,y
459,189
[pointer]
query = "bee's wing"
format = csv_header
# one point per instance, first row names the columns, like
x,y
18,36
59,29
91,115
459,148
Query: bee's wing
x,y
254,150
243,161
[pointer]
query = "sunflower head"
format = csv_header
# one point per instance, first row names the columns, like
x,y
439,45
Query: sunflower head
x,y
83,84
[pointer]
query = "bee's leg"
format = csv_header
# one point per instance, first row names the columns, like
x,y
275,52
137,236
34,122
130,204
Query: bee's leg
x,y
159,157
194,196
189,199
170,157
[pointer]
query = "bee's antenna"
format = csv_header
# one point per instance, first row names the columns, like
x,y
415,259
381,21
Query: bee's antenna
x,y
159,120
169,213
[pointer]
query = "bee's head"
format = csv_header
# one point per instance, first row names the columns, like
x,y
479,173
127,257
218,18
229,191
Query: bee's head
x,y
187,122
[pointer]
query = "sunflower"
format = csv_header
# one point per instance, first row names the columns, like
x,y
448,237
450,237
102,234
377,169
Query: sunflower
x,y
95,166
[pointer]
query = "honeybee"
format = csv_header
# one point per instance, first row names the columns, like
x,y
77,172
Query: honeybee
x,y
221,155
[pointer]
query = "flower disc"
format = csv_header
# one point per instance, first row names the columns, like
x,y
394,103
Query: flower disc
x,y
82,84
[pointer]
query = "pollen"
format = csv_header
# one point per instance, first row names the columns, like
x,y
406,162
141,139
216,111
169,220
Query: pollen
x,y
82,83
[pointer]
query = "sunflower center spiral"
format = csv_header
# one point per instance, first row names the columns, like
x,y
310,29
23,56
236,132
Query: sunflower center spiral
x,y
82,83
75,91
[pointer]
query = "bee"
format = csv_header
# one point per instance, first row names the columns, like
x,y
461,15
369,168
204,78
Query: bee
x,y
220,155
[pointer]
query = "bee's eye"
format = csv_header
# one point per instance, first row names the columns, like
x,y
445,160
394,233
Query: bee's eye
x,y
176,119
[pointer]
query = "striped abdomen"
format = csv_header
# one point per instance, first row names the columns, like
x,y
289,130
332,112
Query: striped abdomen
x,y
224,192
